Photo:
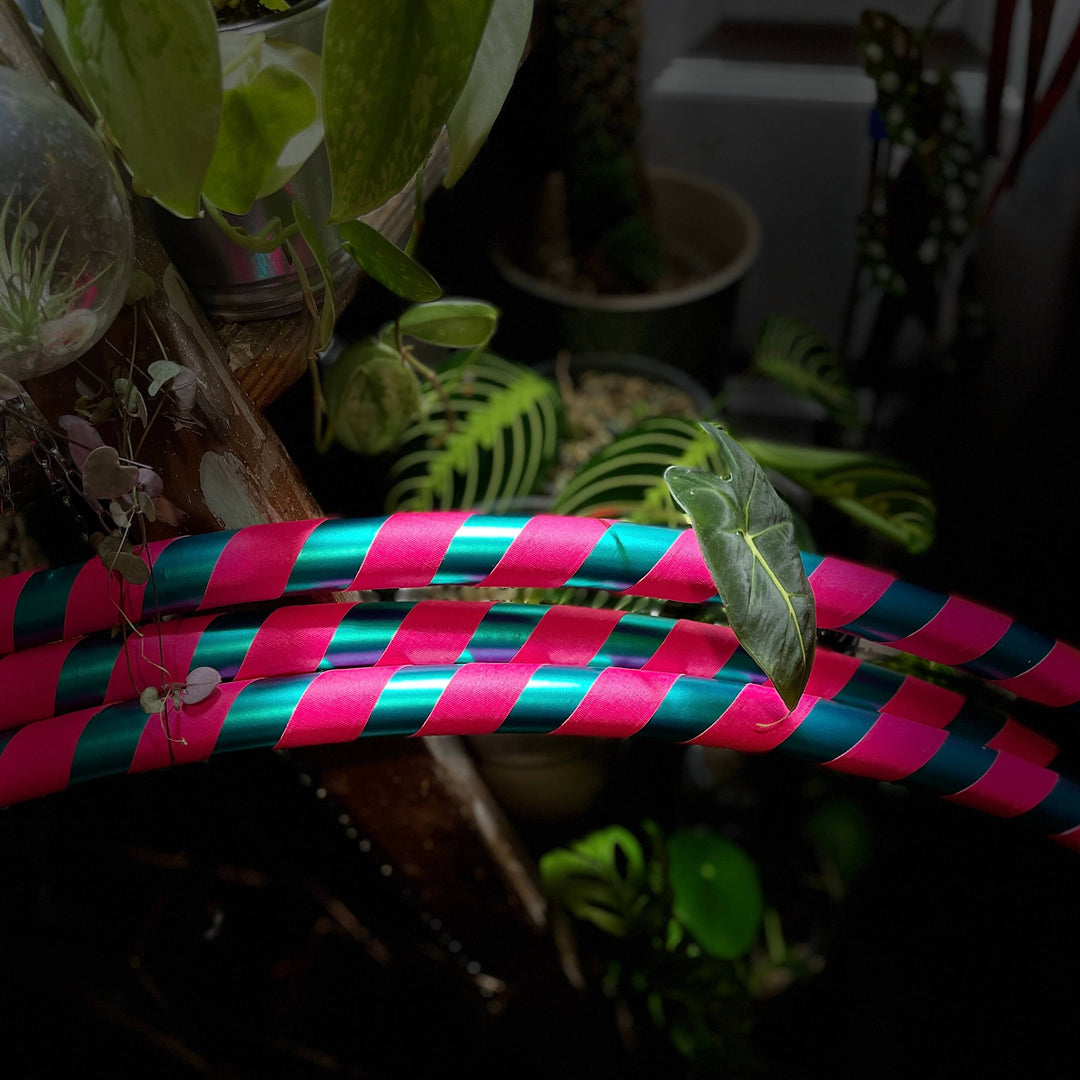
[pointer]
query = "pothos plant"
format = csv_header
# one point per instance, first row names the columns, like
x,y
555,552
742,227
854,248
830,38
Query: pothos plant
x,y
209,123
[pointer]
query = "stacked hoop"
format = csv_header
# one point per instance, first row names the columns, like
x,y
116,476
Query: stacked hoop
x,y
331,672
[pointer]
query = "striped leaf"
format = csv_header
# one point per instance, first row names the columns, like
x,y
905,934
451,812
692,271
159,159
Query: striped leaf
x,y
875,491
496,446
800,358
626,478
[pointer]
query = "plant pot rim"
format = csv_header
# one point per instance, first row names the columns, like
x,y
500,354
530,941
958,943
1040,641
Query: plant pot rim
x,y
258,22
712,283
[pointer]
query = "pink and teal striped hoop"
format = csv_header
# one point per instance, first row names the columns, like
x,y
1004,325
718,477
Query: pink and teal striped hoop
x,y
47,756
270,562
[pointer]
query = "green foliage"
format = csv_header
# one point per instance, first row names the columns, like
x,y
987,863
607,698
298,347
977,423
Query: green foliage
x,y
387,263
876,492
371,396
400,68
489,82
716,891
487,435
328,315
153,71
747,540
799,358
625,479
455,322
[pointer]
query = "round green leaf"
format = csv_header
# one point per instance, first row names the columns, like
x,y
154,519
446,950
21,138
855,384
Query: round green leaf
x,y
716,891
455,323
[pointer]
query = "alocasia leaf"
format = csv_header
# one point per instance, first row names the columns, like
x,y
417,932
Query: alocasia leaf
x,y
391,75
748,542
489,82
153,70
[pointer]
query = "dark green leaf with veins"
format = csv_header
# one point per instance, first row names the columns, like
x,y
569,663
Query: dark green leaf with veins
x,y
748,542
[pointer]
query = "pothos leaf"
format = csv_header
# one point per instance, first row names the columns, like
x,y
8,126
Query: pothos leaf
x,y
748,542
455,322
387,263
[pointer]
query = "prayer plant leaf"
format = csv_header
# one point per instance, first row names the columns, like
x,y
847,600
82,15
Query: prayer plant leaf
x,y
747,539
154,72
800,358
877,492
391,75
454,322
502,439
387,263
489,82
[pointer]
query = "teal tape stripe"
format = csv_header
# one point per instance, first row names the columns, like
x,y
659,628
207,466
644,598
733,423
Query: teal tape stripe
x,y
260,713
84,678
688,708
502,633
182,571
225,642
321,563
623,556
361,637
108,742
42,604
548,698
477,548
407,700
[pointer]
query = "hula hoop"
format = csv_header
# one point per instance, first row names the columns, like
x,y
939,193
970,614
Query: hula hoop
x,y
101,669
47,756
268,562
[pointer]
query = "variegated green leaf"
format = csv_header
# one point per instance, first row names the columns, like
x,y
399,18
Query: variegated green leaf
x,y
392,73
489,82
877,492
153,70
626,478
502,438
800,358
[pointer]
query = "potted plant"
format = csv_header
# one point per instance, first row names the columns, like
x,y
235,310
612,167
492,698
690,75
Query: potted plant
x,y
617,255
247,115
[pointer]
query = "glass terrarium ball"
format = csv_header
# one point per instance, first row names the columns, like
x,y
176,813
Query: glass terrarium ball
x,y
66,250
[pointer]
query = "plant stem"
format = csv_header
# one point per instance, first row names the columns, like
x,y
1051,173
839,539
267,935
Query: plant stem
x,y
270,238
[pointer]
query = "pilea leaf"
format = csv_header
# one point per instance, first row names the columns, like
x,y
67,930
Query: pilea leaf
x,y
387,263
371,396
154,71
716,891
392,73
747,540
454,322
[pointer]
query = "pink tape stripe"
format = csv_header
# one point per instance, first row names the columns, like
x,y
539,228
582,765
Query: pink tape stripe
x,y
568,635
694,649
28,683
170,646
892,749
959,632
477,699
680,574
547,552
1022,742
250,548
1011,786
1068,839
186,737
756,721
95,588
408,550
292,640
1055,680
843,591
37,760
603,710
10,588
831,672
435,632
935,706
335,707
